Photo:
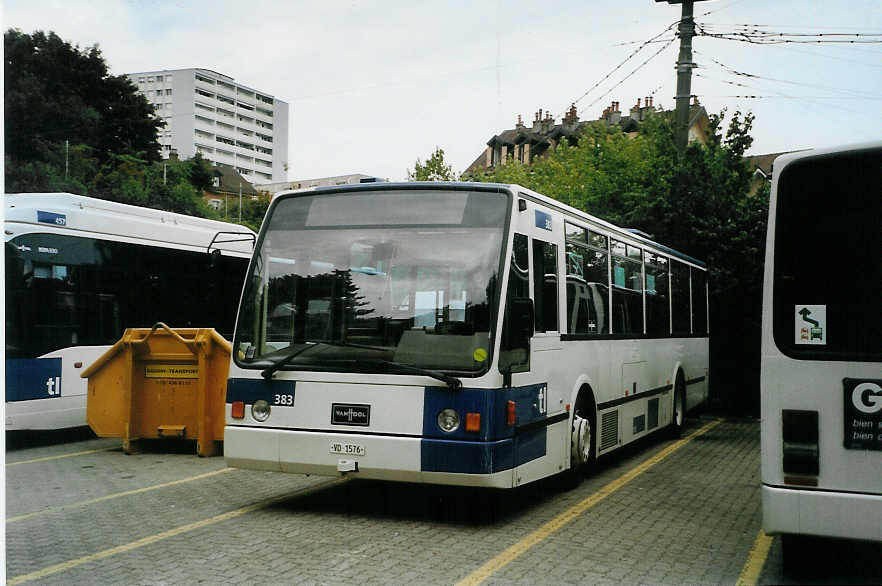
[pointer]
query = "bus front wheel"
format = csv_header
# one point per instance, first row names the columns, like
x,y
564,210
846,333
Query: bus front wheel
x,y
582,441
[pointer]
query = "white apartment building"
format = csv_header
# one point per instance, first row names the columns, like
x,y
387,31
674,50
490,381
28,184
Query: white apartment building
x,y
226,122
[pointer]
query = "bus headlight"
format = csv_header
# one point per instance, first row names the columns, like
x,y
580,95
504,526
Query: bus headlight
x,y
448,420
260,410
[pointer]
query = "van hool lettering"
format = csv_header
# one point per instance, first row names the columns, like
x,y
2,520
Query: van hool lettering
x,y
346,414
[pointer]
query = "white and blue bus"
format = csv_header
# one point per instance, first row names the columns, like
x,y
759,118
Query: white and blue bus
x,y
79,271
457,333
821,378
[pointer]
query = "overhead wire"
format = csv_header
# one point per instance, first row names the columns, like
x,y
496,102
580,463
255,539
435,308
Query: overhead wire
x,y
721,8
628,58
621,81
764,37
758,97
734,71
804,101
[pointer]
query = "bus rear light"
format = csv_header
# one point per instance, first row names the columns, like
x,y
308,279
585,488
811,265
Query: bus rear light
x,y
510,413
801,480
78,364
799,432
238,410
473,422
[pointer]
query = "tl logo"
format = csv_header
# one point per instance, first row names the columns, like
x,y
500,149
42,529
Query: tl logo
x,y
53,386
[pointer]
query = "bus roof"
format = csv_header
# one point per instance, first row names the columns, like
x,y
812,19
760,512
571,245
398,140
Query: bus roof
x,y
77,213
624,233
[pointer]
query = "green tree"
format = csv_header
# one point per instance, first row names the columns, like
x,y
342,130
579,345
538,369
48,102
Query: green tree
x,y
59,97
199,172
434,169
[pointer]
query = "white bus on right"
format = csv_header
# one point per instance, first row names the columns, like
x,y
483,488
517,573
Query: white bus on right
x,y
821,378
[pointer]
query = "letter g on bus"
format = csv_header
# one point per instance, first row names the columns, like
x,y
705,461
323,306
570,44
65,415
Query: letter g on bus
x,y
867,397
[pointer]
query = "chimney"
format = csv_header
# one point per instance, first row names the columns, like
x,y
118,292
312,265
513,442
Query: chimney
x,y
614,116
520,122
635,111
571,117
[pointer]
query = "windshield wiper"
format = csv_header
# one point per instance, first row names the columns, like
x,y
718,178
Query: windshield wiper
x,y
452,382
268,372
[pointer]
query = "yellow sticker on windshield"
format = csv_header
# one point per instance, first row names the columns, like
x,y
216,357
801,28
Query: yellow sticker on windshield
x,y
480,355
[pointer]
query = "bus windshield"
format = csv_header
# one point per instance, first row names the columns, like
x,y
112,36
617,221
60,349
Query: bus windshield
x,y
353,281
827,276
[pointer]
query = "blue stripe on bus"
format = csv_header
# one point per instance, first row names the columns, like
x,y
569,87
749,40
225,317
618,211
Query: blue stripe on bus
x,y
495,447
250,390
33,378
466,457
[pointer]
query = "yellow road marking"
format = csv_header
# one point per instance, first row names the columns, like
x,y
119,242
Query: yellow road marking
x,y
522,546
71,455
63,566
117,495
756,559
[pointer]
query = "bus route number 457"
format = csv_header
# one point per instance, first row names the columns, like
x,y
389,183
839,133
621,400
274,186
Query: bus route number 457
x,y
347,449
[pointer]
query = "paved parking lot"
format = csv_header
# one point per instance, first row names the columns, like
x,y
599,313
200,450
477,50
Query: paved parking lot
x,y
665,512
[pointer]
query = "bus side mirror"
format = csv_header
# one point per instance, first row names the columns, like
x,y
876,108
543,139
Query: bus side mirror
x,y
214,257
522,319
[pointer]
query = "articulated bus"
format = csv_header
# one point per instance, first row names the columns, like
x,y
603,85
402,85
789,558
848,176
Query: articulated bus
x,y
79,271
457,333
821,379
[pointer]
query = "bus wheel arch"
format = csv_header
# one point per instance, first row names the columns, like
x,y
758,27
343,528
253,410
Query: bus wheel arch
x,y
583,437
678,404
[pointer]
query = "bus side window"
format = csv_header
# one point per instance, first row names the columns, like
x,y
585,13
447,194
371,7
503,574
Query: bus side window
x,y
699,302
545,285
514,356
680,298
627,285
657,310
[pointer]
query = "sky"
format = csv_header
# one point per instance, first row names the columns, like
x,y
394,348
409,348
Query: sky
x,y
372,86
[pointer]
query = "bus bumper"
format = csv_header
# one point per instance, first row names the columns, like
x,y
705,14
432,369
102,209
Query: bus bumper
x,y
403,459
822,513
46,414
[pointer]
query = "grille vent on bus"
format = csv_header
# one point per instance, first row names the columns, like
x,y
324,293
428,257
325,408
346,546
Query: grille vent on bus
x,y
609,429
652,416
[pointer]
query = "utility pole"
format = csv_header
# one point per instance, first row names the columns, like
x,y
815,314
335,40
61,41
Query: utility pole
x,y
240,202
66,156
686,31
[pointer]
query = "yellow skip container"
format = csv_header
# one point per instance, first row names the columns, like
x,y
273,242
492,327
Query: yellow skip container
x,y
161,382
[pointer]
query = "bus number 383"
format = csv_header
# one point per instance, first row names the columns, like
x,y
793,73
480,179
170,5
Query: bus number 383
x,y
284,400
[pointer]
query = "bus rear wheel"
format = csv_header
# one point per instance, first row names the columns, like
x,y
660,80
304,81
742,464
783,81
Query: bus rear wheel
x,y
678,417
